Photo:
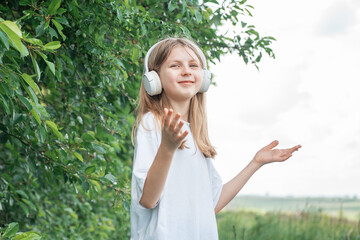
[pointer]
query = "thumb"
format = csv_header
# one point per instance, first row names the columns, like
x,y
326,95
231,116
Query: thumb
x,y
272,144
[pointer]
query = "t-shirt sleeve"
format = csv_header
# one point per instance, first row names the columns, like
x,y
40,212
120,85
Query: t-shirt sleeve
x,y
216,182
146,146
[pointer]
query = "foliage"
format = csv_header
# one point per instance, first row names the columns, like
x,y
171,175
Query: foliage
x,y
69,76
276,225
11,233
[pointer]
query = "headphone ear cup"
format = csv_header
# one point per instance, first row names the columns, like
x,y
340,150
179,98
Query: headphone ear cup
x,y
206,81
152,83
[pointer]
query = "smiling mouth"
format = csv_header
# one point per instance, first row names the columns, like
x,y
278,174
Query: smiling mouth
x,y
187,82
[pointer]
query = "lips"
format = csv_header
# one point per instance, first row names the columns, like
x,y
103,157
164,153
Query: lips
x,y
186,82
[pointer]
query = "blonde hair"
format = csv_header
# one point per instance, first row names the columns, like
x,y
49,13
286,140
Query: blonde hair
x,y
156,104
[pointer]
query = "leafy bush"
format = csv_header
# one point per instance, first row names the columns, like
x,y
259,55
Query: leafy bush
x,y
69,76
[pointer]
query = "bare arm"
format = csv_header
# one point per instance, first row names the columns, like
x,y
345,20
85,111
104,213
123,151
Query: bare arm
x,y
231,188
262,157
157,174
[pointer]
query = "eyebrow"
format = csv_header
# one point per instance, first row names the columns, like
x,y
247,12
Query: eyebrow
x,y
179,61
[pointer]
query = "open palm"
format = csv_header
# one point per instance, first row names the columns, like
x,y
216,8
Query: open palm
x,y
267,154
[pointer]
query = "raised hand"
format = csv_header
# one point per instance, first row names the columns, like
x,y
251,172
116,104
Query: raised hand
x,y
172,136
267,154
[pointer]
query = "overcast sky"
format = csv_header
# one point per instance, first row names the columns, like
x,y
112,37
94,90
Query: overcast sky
x,y
308,95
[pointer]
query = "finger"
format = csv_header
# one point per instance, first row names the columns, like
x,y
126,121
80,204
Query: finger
x,y
285,157
168,117
165,114
178,127
174,121
272,144
293,149
183,135
297,147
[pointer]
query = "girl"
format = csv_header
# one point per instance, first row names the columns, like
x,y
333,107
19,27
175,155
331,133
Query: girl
x,y
176,191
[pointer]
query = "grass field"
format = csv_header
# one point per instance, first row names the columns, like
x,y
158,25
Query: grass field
x,y
336,207
273,218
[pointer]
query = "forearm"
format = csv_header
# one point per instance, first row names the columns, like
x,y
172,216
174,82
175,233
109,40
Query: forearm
x,y
231,188
156,177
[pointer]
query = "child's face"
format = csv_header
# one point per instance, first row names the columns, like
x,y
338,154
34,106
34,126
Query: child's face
x,y
181,74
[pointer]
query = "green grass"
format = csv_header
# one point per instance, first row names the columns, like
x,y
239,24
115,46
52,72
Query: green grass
x,y
242,225
274,218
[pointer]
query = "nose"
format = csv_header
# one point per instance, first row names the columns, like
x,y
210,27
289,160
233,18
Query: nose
x,y
186,70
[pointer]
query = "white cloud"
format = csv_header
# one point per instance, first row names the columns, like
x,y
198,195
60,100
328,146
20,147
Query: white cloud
x,y
337,19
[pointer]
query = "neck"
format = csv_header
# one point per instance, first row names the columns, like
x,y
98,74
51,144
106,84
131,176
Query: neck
x,y
182,108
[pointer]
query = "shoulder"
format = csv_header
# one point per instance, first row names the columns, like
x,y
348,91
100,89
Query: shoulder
x,y
148,131
149,121
149,124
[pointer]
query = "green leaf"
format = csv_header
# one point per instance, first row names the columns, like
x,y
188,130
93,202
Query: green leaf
x,y
59,68
270,38
36,115
24,2
53,33
24,50
42,55
5,104
26,102
24,208
198,16
258,57
51,66
88,137
34,41
90,170
28,236
42,134
54,5
111,177
216,20
52,45
31,82
59,27
12,36
71,212
4,39
42,111
61,11
135,55
36,67
98,148
10,230
6,89
54,129
22,193
78,156
13,27
30,204
85,186
172,5
30,91
40,29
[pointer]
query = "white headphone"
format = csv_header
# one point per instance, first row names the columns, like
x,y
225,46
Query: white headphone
x,y
151,80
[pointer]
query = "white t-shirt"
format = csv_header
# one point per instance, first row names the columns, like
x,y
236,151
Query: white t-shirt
x,y
185,210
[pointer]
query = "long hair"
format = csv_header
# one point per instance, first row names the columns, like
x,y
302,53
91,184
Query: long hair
x,y
156,104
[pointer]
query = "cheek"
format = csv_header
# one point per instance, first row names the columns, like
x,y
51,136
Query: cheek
x,y
199,77
166,78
